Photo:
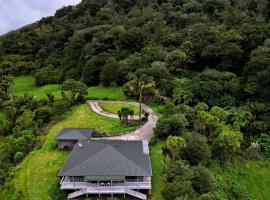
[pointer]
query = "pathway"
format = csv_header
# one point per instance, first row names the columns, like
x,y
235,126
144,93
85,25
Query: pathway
x,y
145,132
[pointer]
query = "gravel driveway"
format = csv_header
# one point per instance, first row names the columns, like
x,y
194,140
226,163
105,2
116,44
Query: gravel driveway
x,y
145,132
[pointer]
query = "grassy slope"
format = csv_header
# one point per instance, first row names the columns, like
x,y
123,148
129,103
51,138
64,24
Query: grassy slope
x,y
37,172
157,167
26,84
98,92
114,107
252,175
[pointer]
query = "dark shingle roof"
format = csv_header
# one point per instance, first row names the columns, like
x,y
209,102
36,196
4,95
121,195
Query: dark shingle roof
x,y
75,134
107,158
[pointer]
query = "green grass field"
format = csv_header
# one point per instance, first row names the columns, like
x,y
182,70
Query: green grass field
x,y
254,176
157,167
37,172
114,107
26,84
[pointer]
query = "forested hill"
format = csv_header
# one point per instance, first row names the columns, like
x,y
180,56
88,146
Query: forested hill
x,y
203,64
104,40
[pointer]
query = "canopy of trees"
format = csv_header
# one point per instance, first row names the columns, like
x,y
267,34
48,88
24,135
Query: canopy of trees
x,y
208,61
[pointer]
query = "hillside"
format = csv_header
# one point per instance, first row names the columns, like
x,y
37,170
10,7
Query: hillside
x,y
204,65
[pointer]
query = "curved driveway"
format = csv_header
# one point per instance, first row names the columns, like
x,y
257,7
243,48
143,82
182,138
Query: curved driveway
x,y
145,132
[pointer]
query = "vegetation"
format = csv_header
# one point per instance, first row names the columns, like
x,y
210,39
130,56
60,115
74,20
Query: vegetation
x,y
206,61
26,84
37,173
113,107
158,168
251,176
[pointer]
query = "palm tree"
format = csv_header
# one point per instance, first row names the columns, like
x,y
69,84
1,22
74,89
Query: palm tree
x,y
142,86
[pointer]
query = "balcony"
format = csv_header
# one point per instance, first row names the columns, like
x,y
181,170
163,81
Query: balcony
x,y
68,184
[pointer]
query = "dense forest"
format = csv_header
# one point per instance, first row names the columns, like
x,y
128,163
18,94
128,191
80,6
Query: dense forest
x,y
207,62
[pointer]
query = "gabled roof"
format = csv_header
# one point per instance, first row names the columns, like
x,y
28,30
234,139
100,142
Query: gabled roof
x,y
75,134
107,158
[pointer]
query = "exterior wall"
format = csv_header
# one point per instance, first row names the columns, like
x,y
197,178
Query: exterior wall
x,y
62,144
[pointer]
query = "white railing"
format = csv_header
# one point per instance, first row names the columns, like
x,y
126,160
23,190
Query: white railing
x,y
130,185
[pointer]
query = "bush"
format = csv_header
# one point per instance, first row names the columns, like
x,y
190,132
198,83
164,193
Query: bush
x,y
197,150
179,170
203,181
177,189
174,125
153,141
56,193
213,196
18,157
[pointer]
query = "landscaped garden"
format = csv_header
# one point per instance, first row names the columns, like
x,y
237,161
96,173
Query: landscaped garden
x,y
114,107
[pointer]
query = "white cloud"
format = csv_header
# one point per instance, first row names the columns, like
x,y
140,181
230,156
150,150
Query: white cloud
x,y
17,13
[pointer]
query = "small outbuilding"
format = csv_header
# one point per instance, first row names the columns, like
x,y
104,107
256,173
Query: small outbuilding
x,y
68,137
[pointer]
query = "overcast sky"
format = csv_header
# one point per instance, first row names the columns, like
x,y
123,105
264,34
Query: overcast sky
x,y
17,13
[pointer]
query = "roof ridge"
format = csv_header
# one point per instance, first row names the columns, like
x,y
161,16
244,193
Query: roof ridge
x,y
129,159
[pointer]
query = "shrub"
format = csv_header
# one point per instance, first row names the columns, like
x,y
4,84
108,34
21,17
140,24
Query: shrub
x,y
197,150
213,196
179,170
153,141
56,193
174,125
203,181
177,189
18,156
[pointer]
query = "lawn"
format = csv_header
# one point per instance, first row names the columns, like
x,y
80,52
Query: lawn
x,y
26,84
113,107
252,175
157,167
37,172
99,92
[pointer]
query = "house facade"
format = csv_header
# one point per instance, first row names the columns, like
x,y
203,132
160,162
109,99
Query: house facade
x,y
68,137
97,167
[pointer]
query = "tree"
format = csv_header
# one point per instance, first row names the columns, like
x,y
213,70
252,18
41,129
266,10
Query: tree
x,y
203,180
174,147
142,86
173,125
179,170
177,189
73,90
197,150
258,71
124,114
48,75
227,143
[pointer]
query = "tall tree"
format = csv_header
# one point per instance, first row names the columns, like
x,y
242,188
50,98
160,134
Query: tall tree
x,y
142,86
